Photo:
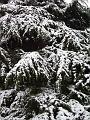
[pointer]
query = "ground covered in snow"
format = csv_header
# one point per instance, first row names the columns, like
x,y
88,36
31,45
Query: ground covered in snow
x,y
44,61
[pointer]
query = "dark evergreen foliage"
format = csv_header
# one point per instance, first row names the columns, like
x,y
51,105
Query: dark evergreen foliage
x,y
77,16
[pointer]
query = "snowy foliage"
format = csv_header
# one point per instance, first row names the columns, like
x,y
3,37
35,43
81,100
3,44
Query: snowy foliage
x,y
44,60
32,70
